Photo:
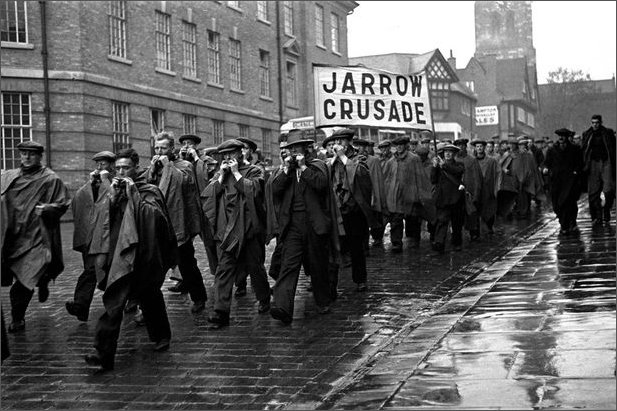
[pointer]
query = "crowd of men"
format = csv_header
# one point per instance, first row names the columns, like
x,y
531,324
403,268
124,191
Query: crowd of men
x,y
326,200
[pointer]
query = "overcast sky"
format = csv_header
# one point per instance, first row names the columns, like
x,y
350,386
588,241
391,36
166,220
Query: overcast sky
x,y
578,35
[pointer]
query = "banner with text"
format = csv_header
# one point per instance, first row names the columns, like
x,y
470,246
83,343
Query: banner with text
x,y
487,116
346,96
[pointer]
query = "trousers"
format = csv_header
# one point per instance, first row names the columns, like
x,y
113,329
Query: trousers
x,y
356,230
86,283
191,276
452,214
599,180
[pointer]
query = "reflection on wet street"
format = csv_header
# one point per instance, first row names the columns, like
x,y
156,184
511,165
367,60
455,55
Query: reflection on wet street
x,y
540,333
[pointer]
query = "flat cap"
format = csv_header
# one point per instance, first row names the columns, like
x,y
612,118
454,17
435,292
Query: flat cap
x,y
461,141
384,143
441,147
104,155
250,143
31,146
210,151
361,142
512,139
229,145
193,137
347,133
425,140
400,140
540,140
564,132
478,141
296,136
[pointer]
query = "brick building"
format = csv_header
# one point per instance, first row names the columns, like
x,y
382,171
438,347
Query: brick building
x,y
502,72
81,77
452,103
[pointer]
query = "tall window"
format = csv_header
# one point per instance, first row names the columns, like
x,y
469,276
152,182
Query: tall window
x,y
292,95
189,124
16,125
189,44
319,25
471,85
440,92
235,64
262,10
334,28
163,40
14,21
218,131
288,14
117,28
264,73
244,131
531,120
157,121
120,126
266,138
466,108
520,114
214,58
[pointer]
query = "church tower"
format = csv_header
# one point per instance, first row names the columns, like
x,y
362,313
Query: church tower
x,y
504,29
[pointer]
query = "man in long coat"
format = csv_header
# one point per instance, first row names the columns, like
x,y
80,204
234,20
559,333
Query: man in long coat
x,y
472,180
176,179
491,177
134,245
599,155
564,165
90,196
233,209
33,200
406,188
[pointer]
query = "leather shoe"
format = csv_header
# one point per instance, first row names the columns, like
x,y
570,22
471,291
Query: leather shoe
x,y
43,293
179,288
264,307
281,315
17,326
198,306
72,309
240,292
162,345
218,320
96,361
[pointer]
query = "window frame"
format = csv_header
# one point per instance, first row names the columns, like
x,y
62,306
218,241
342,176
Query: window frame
x,y
16,12
235,64
120,126
264,74
439,95
263,11
214,57
14,158
335,33
266,138
320,32
117,26
164,39
189,49
291,84
218,131
189,123
288,18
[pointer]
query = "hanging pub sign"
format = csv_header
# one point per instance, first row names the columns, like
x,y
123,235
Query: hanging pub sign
x,y
347,96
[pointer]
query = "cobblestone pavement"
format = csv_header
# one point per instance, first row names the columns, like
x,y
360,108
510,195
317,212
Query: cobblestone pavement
x,y
534,330
256,363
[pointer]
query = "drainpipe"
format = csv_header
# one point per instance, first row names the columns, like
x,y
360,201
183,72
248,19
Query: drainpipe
x,y
46,108
280,62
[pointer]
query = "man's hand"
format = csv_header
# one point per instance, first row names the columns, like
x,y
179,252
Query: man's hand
x,y
154,160
224,167
339,150
545,171
164,160
233,165
192,153
301,160
105,174
461,188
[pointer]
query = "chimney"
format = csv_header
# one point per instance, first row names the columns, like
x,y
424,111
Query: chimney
x,y
452,60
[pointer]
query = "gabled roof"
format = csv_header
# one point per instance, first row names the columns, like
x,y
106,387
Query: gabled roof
x,y
406,63
463,89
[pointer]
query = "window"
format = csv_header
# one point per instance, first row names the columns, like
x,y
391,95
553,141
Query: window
x,y
235,64
520,114
439,93
531,120
334,27
266,138
471,85
244,131
319,26
264,73
466,108
262,10
14,21
291,84
218,131
288,14
189,124
157,121
120,126
214,58
189,43
163,39
117,28
16,125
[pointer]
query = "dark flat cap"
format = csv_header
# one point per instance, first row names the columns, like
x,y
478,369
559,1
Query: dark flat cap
x,y
347,133
193,137
250,143
104,155
361,142
478,141
461,141
564,132
230,145
445,146
209,151
384,143
426,140
400,140
296,136
31,146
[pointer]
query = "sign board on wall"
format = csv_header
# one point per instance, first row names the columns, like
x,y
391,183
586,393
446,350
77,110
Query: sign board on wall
x,y
347,96
487,116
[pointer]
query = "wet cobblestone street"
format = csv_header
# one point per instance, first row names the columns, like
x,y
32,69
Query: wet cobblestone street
x,y
519,321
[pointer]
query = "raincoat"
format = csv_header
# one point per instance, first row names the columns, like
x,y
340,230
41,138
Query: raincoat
x,y
85,214
491,179
406,183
